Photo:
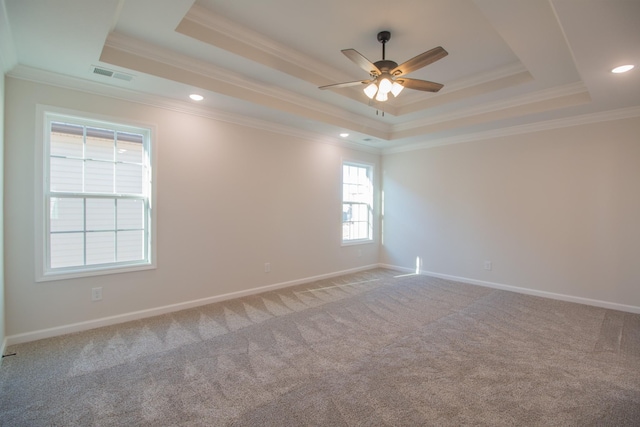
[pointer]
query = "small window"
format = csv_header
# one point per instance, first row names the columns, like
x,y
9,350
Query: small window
x,y
96,197
357,203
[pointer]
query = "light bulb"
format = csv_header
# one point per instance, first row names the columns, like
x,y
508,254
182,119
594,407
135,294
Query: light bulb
x,y
385,85
381,96
396,88
371,90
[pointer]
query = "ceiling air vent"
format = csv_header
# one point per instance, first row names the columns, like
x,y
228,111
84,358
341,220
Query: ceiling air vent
x,y
123,76
111,73
102,71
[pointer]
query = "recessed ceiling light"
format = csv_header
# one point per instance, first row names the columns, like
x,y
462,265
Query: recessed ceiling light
x,y
344,135
196,97
622,69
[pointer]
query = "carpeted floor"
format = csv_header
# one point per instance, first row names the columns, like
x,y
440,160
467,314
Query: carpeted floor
x,y
373,348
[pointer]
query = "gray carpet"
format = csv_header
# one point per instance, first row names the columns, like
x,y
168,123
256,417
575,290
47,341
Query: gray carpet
x,y
367,349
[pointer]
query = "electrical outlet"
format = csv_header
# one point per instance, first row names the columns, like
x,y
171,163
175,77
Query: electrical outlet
x,y
488,265
267,267
96,294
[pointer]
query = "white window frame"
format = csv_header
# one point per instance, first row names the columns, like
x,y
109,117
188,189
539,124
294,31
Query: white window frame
x,y
45,116
371,205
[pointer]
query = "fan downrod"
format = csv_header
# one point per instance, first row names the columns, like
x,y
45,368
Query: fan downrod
x,y
383,37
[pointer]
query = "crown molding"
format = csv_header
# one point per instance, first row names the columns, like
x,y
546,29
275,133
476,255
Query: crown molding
x,y
207,19
316,72
35,75
584,119
489,107
139,48
469,82
8,57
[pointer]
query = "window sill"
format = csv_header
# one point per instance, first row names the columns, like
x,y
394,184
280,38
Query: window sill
x,y
72,274
356,242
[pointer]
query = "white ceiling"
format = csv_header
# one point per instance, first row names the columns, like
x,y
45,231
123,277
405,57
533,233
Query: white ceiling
x,y
512,65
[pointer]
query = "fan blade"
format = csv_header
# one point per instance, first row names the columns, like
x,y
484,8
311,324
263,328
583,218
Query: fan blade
x,y
361,61
420,84
420,61
346,84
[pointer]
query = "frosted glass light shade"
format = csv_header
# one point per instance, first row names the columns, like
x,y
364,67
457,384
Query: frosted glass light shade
x,y
382,96
396,88
385,86
371,90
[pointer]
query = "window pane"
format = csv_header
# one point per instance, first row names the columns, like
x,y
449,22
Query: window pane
x,y
100,144
98,177
130,147
66,175
101,214
67,250
346,212
128,178
66,214
130,245
130,214
66,140
357,197
101,247
85,157
362,230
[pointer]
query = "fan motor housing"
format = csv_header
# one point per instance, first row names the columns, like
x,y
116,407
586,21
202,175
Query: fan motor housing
x,y
385,65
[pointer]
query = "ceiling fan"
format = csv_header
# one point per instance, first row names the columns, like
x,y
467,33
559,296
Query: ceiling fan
x,y
387,76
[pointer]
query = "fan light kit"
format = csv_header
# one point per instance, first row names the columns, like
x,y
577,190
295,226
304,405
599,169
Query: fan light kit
x,y
387,76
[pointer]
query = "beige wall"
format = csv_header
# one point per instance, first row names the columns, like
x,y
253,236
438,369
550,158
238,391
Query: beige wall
x,y
555,211
230,198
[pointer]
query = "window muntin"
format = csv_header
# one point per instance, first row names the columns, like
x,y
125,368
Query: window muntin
x,y
97,196
357,202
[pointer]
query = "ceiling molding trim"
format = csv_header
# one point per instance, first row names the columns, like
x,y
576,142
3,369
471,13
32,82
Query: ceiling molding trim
x,y
35,75
584,119
151,52
469,92
489,107
8,56
466,83
216,23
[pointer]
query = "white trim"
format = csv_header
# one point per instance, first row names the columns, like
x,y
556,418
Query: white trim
x,y
498,105
73,83
46,113
8,56
26,73
583,119
3,347
205,18
517,289
507,71
372,169
141,314
133,46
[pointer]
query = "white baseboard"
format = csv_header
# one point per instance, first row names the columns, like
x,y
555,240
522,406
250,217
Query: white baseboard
x,y
2,348
136,315
527,291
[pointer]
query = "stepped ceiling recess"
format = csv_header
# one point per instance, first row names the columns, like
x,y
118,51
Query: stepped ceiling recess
x,y
513,66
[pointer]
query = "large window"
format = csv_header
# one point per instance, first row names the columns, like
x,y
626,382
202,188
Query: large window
x,y
96,197
357,203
